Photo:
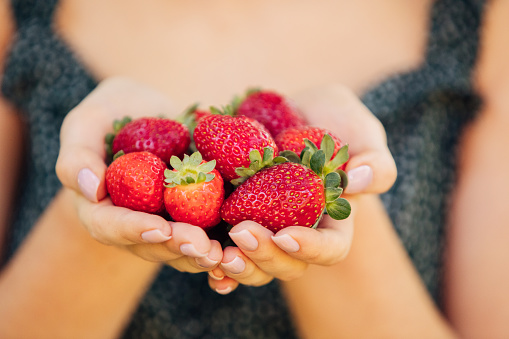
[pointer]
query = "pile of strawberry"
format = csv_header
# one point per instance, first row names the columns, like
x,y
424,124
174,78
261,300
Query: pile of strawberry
x,y
255,160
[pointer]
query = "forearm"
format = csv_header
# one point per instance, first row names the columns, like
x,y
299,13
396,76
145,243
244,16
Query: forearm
x,y
477,300
64,284
374,293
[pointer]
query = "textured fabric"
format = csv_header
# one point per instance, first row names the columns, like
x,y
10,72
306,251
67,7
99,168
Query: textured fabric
x,y
423,112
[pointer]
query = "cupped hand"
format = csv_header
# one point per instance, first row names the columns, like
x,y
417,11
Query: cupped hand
x,y
261,255
81,168
371,168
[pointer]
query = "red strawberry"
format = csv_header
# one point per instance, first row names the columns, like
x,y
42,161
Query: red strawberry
x,y
229,140
284,195
162,137
194,191
271,109
292,139
293,193
136,180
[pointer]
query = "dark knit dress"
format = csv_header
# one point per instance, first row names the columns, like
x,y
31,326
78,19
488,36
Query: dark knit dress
x,y
423,112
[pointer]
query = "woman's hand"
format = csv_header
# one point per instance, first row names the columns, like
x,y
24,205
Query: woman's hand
x,y
81,167
261,255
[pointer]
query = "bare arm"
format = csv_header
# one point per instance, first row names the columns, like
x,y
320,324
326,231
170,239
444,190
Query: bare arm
x,y
477,298
375,291
61,283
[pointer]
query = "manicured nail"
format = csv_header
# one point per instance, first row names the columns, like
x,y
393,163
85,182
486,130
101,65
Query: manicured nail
x,y
214,276
206,262
190,251
224,290
286,243
245,240
155,236
88,183
359,179
235,266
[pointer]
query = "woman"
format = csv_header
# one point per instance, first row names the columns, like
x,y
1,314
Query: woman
x,y
208,52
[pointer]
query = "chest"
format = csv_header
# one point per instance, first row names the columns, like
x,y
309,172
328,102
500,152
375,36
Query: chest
x,y
208,51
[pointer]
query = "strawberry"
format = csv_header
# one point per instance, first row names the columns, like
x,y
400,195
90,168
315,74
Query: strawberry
x,y
229,140
276,196
194,191
293,193
271,109
162,137
136,180
292,139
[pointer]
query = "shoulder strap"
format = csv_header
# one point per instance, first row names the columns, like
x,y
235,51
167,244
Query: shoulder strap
x,y
33,10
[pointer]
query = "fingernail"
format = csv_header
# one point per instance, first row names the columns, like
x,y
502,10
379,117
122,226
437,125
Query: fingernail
x,y
286,243
359,179
155,236
224,290
235,266
88,183
206,262
190,251
214,276
245,240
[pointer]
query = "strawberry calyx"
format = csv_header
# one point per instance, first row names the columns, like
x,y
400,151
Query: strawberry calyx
x,y
238,99
190,170
258,162
117,126
322,161
325,164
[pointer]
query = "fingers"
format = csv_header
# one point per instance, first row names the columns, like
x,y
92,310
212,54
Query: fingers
x,y
225,285
371,168
327,245
112,225
80,165
371,171
238,266
256,243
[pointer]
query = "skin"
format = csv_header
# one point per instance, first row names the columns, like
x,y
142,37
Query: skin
x,y
355,267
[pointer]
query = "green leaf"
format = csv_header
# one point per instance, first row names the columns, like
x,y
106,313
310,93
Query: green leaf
x,y
255,166
332,193
268,155
195,159
344,178
291,156
209,177
244,172
315,225
311,145
118,155
305,156
206,167
185,161
332,180
327,146
279,160
190,180
215,110
339,159
255,155
317,162
175,163
109,138
201,177
339,209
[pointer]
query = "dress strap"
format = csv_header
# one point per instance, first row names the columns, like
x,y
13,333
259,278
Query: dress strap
x,y
33,10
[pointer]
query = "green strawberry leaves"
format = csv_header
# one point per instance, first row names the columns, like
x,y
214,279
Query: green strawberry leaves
x,y
189,170
108,139
338,209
